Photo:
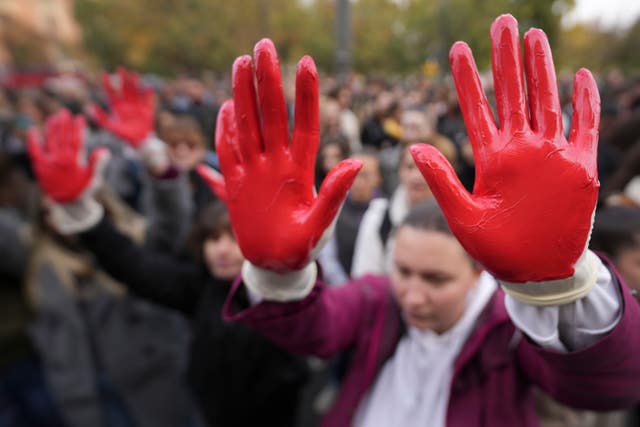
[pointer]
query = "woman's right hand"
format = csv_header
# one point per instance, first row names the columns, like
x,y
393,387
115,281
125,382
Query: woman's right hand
x,y
59,162
277,218
132,109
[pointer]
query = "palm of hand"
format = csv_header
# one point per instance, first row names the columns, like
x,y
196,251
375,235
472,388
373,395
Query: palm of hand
x,y
268,178
530,213
132,121
57,162
132,108
280,222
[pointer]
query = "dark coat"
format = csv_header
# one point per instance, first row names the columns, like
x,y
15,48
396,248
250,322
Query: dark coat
x,y
238,377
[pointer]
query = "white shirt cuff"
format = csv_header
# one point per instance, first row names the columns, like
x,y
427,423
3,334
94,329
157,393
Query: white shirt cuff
x,y
271,286
575,325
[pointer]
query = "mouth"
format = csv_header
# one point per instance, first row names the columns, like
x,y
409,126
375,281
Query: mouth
x,y
223,265
419,317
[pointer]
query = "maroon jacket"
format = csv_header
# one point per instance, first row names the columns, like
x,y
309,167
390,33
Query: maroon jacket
x,y
493,374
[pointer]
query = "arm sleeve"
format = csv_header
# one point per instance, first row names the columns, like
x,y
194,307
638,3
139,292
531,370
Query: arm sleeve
x,y
572,326
591,361
323,322
156,277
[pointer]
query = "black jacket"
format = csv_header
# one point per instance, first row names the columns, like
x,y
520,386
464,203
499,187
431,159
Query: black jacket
x,y
238,377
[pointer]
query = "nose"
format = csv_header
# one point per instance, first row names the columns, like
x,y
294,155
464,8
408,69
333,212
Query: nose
x,y
416,295
226,244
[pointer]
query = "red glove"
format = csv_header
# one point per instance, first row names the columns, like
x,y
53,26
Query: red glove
x,y
215,180
132,109
276,216
530,213
58,165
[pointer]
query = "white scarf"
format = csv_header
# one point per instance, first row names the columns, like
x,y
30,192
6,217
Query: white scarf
x,y
412,389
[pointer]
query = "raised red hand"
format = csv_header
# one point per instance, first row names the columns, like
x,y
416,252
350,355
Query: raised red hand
x,y
276,216
58,163
530,213
132,108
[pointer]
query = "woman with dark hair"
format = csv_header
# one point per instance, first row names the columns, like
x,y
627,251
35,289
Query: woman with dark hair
x,y
237,376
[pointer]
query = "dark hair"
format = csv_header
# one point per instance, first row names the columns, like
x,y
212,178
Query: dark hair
x,y
427,216
183,122
337,139
616,229
211,222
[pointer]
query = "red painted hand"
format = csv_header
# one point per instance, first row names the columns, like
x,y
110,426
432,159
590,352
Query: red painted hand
x,y
58,164
132,108
276,216
530,213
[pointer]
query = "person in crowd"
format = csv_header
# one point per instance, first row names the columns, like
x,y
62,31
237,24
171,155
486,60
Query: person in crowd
x,y
131,120
110,358
488,297
349,123
374,131
416,128
333,149
187,148
616,234
25,398
336,258
374,241
236,375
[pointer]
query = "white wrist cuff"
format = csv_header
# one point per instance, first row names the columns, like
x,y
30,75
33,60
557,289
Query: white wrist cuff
x,y
153,153
272,286
561,291
77,216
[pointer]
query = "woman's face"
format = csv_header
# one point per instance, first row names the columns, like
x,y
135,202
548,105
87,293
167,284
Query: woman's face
x,y
367,180
222,256
186,149
431,277
412,180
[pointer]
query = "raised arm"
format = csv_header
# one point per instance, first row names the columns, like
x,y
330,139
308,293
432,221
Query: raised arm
x,y
279,221
529,218
69,182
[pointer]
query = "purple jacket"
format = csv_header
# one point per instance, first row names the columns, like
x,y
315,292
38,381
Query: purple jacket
x,y
493,374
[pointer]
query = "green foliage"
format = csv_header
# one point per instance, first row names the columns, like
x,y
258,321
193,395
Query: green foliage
x,y
598,50
435,25
394,36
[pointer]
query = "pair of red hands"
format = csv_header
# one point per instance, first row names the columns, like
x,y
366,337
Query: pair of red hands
x,y
528,218
58,163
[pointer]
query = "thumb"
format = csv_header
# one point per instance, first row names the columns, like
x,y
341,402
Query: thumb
x,y
214,179
34,147
453,198
98,114
332,192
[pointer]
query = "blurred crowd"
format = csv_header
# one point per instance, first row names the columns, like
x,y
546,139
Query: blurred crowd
x,y
89,337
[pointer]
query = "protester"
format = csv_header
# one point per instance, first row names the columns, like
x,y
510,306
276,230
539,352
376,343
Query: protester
x,y
438,341
237,376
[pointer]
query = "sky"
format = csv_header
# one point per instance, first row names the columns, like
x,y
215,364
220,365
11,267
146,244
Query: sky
x,y
606,13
